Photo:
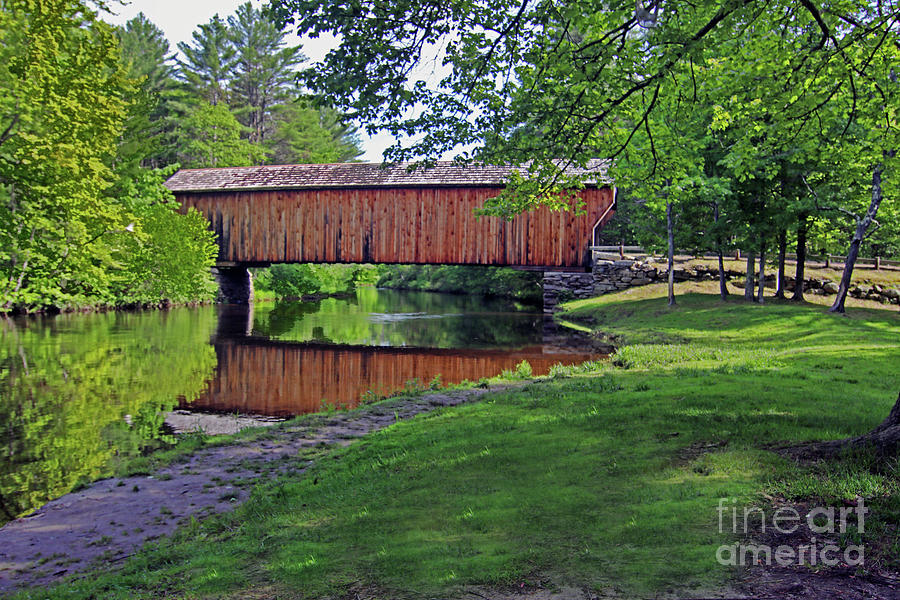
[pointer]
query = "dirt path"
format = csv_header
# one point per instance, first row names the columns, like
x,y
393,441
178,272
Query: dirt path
x,y
111,519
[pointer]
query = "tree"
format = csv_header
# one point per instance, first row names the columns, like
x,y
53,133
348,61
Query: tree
x,y
670,158
168,256
209,61
863,223
877,145
307,135
145,53
62,105
211,137
833,115
263,69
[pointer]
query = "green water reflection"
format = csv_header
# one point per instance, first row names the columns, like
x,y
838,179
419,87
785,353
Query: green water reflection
x,y
374,317
80,390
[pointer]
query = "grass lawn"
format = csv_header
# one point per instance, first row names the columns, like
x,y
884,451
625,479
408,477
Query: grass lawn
x,y
602,477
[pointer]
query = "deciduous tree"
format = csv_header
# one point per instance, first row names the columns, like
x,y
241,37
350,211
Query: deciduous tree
x,y
63,97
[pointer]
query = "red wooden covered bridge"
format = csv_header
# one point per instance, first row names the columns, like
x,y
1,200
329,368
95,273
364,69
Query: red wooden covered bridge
x,y
368,213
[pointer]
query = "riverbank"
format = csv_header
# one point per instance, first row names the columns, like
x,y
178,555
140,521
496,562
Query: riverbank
x,y
260,296
108,521
490,282
102,308
601,480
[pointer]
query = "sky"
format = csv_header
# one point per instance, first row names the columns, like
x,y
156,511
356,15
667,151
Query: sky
x,y
179,18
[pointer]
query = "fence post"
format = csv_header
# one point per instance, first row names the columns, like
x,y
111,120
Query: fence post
x,y
737,254
621,250
827,260
877,262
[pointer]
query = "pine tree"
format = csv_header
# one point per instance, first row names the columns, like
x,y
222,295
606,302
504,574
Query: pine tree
x,y
263,69
145,52
209,61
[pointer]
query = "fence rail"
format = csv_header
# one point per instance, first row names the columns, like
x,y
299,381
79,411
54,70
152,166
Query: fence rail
x,y
876,262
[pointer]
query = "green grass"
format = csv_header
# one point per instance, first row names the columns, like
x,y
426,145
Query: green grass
x,y
605,477
261,295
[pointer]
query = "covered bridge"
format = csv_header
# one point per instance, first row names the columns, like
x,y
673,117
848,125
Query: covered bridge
x,y
369,213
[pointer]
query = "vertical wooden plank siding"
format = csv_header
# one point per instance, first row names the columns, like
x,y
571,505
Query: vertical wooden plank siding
x,y
428,225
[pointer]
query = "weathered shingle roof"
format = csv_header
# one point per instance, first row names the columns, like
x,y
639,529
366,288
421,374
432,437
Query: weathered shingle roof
x,y
350,175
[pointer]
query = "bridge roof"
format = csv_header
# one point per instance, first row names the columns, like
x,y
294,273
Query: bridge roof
x,y
354,175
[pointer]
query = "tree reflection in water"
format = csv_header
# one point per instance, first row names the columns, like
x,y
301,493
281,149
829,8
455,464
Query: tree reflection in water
x,y
301,356
79,391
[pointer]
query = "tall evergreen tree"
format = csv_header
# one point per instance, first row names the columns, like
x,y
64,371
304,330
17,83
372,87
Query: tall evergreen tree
x,y
263,69
209,61
145,52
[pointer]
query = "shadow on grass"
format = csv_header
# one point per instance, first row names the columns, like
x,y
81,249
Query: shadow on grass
x,y
699,315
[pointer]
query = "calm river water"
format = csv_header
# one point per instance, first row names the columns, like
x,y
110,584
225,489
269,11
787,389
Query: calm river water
x,y
78,392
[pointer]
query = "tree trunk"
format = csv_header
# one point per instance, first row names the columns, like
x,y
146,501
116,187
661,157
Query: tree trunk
x,y
670,230
748,284
762,273
884,440
800,273
782,250
862,225
723,288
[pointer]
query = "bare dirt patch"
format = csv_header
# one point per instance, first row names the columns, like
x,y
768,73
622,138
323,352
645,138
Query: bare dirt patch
x,y
815,581
110,520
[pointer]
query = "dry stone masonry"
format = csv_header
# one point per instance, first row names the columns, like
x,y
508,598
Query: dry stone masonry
x,y
563,286
614,275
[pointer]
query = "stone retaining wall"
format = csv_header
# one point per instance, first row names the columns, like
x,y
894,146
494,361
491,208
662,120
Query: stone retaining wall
x,y
564,286
614,275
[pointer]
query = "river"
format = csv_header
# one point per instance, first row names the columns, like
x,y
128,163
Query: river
x,y
83,391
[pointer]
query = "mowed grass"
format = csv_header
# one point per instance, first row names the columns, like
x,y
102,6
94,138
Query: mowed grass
x,y
607,478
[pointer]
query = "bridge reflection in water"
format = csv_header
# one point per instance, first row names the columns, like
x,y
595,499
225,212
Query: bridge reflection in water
x,y
256,375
